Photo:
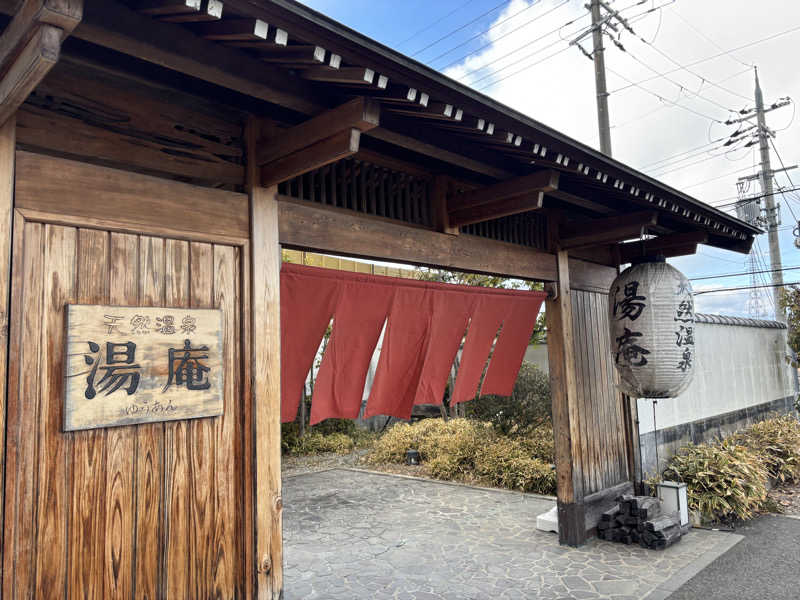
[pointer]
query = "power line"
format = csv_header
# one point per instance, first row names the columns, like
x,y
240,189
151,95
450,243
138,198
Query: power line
x,y
494,41
686,187
675,83
436,22
706,59
703,80
457,29
668,158
633,19
708,39
745,287
660,97
497,24
743,274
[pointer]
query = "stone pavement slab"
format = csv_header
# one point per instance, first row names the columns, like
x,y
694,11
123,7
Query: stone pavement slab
x,y
355,535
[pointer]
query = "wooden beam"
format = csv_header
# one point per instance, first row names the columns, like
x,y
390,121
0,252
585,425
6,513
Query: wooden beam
x,y
29,47
601,209
7,144
540,181
432,110
28,68
495,210
602,231
362,114
344,232
211,10
233,30
112,25
336,147
344,75
430,150
59,13
566,423
300,54
167,7
661,245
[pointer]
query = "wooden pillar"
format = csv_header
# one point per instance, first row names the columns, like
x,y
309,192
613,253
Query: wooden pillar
x,y
563,385
266,382
7,143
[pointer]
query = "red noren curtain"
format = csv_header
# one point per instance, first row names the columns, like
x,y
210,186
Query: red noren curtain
x,y
425,325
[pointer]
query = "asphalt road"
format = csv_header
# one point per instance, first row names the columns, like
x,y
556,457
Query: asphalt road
x,y
764,565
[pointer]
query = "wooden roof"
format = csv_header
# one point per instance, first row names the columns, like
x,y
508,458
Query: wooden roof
x,y
283,53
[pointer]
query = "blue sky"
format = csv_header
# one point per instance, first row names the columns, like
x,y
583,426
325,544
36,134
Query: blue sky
x,y
518,52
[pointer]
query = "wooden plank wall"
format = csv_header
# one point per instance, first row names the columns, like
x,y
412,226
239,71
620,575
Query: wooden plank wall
x,y
150,511
602,456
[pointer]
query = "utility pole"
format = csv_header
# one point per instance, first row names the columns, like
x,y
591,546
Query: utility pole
x,y
600,78
769,200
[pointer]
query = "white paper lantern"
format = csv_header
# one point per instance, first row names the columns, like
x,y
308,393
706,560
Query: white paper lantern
x,y
651,318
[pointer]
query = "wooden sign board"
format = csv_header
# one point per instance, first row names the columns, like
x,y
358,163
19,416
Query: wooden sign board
x,y
127,365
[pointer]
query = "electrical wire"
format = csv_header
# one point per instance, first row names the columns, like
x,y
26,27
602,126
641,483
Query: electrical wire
x,y
686,187
662,99
675,83
702,79
669,158
494,41
785,172
792,268
497,24
633,19
708,39
706,59
745,287
457,29
436,22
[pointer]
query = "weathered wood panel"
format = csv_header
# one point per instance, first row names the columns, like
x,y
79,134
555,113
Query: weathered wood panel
x,y
127,202
80,110
7,150
602,452
149,527
130,511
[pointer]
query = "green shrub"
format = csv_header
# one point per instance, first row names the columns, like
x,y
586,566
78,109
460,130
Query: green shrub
x,y
776,442
473,451
528,406
725,480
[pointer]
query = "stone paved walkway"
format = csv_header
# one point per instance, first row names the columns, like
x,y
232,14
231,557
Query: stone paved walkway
x,y
353,535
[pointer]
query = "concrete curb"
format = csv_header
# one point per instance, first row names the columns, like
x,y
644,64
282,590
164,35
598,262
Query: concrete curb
x,y
666,589
453,483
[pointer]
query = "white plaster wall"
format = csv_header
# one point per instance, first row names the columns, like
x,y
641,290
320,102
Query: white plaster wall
x,y
736,367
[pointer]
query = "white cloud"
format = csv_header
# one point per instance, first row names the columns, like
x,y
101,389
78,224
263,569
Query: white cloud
x,y
560,91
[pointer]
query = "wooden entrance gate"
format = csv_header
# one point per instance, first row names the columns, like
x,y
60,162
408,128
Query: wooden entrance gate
x,y
151,510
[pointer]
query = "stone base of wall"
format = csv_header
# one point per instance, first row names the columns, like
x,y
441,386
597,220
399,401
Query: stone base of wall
x,y
669,440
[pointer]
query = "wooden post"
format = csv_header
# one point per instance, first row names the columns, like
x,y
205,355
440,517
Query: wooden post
x,y
563,385
438,196
266,384
7,143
